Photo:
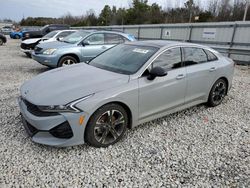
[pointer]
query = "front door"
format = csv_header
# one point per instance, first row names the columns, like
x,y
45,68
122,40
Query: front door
x,y
163,93
94,45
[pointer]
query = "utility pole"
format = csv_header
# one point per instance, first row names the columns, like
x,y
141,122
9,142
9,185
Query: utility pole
x,y
246,8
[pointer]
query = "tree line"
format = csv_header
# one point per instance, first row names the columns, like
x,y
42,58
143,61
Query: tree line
x,y
141,12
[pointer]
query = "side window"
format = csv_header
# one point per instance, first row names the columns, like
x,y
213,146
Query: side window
x,y
113,39
95,39
210,56
194,56
170,59
64,34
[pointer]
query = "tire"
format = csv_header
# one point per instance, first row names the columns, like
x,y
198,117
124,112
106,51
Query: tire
x,y
28,54
101,130
17,37
217,93
1,42
66,61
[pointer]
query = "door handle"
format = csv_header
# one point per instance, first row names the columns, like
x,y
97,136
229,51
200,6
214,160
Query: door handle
x,y
180,76
104,47
212,69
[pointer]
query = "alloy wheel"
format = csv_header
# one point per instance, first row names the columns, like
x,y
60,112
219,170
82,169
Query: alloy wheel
x,y
68,62
109,127
219,92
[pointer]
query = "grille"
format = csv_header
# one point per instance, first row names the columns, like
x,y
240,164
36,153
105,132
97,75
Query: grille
x,y
33,109
62,131
28,46
24,46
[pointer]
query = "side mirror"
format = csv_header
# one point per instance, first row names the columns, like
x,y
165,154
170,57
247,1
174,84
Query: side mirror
x,y
59,38
85,43
156,72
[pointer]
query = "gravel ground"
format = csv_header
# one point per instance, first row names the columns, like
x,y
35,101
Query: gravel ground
x,y
200,146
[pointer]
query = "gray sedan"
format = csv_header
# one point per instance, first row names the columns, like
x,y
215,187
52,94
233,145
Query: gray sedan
x,y
123,87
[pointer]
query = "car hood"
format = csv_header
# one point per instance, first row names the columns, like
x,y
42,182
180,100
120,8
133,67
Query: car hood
x,y
31,41
64,85
54,44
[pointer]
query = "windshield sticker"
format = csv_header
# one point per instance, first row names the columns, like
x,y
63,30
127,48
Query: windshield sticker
x,y
142,51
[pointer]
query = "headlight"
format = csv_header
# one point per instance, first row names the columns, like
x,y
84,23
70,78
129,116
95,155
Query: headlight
x,y
27,34
70,107
49,51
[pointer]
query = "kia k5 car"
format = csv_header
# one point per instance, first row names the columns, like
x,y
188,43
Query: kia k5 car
x,y
81,46
125,86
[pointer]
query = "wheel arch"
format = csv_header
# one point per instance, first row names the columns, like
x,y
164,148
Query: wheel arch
x,y
122,104
70,54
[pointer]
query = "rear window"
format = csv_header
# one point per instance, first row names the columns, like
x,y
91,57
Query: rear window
x,y
210,56
194,55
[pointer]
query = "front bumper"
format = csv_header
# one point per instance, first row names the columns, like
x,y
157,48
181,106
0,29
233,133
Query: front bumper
x,y
27,51
48,60
50,130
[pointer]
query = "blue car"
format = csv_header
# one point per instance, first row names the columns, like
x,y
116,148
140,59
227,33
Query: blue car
x,y
81,46
16,34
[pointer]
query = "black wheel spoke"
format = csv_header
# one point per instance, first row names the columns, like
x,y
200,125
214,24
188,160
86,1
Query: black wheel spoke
x,y
114,133
104,136
119,121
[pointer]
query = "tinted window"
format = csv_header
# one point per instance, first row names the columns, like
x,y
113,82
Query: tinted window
x,y
65,33
194,56
95,39
169,59
210,56
113,39
50,34
75,37
124,58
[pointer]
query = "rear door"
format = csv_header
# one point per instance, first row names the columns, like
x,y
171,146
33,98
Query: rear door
x,y
200,74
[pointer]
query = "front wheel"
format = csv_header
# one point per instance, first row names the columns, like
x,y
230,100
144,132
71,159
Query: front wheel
x,y
106,126
66,61
1,42
217,93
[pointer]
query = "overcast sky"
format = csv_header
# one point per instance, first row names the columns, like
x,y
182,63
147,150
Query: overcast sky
x,y
17,9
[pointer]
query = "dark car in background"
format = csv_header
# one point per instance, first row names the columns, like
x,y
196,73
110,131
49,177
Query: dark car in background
x,y
3,39
43,31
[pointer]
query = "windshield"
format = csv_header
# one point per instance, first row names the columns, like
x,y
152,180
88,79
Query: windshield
x,y
75,37
44,27
50,35
124,58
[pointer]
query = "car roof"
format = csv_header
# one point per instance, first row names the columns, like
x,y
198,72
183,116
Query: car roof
x,y
164,43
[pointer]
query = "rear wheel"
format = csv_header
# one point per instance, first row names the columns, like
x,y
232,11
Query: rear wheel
x,y
1,42
66,61
106,126
17,37
217,93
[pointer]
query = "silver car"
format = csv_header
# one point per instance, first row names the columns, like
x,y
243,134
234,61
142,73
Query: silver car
x,y
81,46
123,87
